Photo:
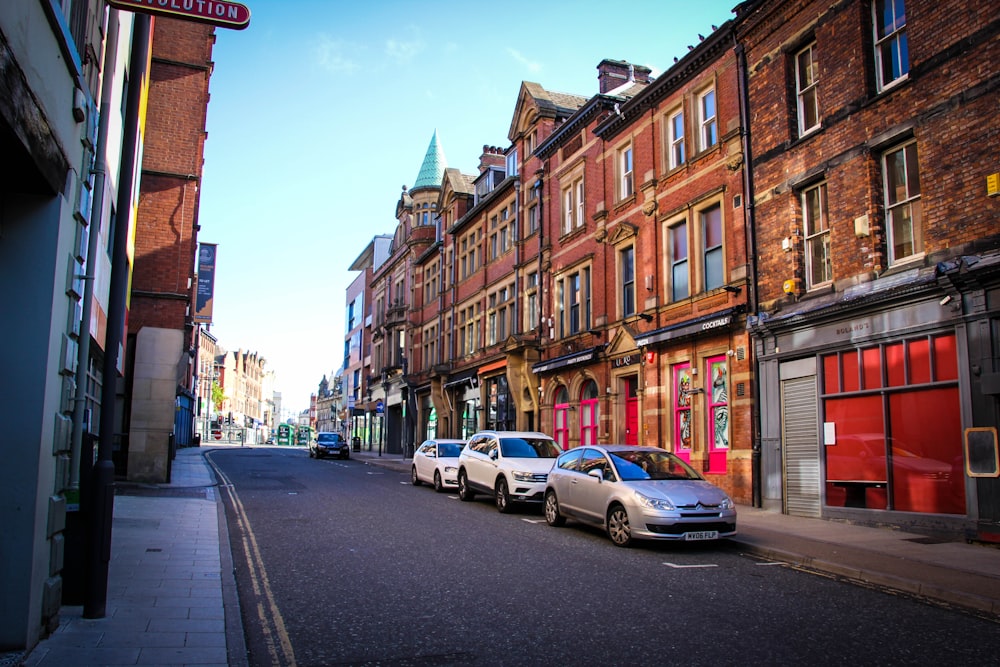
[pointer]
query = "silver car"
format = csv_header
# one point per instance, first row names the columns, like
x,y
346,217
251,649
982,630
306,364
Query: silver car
x,y
637,492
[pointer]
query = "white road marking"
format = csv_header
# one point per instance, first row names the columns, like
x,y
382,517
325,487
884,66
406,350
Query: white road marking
x,y
771,563
532,520
679,567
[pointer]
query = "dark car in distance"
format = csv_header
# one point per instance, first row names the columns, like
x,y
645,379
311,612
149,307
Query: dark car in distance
x,y
332,444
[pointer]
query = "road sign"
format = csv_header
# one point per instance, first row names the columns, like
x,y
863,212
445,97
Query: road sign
x,y
380,407
217,435
217,12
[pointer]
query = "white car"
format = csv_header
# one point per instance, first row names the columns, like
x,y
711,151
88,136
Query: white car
x,y
436,462
511,466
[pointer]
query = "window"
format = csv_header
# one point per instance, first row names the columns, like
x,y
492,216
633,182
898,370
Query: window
x,y
512,162
816,226
903,211
627,263
589,416
468,261
717,412
682,410
675,139
892,57
468,329
680,287
707,121
625,183
573,302
711,224
806,73
531,316
560,415
573,203
431,282
500,314
430,346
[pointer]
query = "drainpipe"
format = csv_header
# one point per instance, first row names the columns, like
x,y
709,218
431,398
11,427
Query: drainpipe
x,y
751,235
99,546
96,211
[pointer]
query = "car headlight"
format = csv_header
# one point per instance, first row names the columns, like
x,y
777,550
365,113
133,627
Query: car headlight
x,y
727,503
653,503
450,469
520,476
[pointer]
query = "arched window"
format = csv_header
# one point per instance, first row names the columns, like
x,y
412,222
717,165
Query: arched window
x,y
560,413
589,413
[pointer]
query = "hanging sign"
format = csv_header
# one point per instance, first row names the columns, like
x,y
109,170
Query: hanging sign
x,y
217,12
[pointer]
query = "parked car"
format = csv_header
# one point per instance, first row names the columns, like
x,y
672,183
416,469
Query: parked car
x,y
637,492
512,466
436,462
333,444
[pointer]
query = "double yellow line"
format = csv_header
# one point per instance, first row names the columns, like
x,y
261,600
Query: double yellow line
x,y
279,646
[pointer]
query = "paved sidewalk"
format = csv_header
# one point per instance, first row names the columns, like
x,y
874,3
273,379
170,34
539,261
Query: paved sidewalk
x,y
172,596
171,592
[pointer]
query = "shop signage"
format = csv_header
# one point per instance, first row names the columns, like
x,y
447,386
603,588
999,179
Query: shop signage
x,y
205,292
217,12
690,328
622,361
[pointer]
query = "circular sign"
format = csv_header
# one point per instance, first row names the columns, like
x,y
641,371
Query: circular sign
x,y
380,407
217,434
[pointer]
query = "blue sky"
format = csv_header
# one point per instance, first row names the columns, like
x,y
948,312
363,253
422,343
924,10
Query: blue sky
x,y
321,111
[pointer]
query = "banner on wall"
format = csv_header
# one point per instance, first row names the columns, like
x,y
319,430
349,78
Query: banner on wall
x,y
205,294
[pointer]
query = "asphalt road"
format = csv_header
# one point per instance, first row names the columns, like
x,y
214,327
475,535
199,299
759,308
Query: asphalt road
x,y
341,563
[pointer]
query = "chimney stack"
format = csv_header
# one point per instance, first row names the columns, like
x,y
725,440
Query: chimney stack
x,y
612,74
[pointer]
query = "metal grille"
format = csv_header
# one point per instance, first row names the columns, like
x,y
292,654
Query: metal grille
x,y
799,430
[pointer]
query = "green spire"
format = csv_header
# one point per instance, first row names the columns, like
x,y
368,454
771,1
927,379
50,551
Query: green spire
x,y
432,170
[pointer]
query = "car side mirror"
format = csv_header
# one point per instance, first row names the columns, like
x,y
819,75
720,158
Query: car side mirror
x,y
494,454
598,473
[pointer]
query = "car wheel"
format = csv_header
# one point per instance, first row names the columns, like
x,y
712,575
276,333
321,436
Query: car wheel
x,y
312,454
438,486
552,515
346,456
414,480
502,497
464,492
618,526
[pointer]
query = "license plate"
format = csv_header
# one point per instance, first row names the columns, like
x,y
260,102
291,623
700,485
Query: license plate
x,y
702,535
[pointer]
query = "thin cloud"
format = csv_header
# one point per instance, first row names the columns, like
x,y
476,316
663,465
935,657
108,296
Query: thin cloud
x,y
330,55
530,65
403,51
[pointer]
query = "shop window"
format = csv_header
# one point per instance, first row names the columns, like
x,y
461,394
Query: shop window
x,y
560,415
682,411
717,409
849,365
897,446
589,414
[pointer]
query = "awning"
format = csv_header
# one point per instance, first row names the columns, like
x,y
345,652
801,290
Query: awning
x,y
465,377
496,365
565,360
720,320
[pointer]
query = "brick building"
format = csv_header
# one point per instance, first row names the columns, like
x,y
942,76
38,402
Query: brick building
x,y
872,135
161,339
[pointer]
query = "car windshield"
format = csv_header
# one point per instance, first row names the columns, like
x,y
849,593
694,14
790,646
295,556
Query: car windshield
x,y
328,437
529,448
449,449
639,464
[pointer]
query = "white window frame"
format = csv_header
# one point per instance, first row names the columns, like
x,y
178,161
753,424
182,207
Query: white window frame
x,y
894,41
675,141
903,207
708,120
679,228
626,172
806,91
816,230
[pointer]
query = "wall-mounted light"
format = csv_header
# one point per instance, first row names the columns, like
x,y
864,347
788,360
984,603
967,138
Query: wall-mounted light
x,y
646,316
732,289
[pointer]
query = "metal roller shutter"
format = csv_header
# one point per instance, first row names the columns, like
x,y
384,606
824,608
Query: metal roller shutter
x,y
800,433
